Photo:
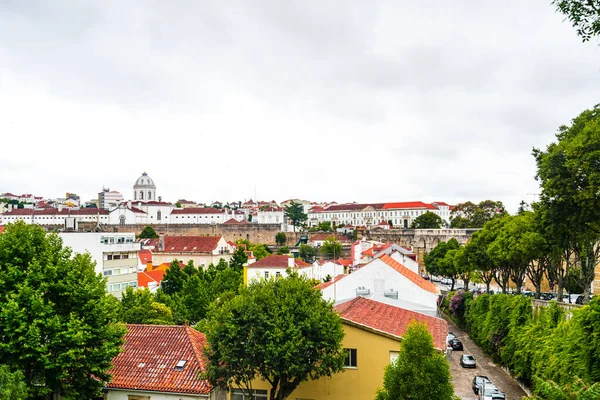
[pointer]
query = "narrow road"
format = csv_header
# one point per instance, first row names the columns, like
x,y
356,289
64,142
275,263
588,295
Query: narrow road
x,y
463,377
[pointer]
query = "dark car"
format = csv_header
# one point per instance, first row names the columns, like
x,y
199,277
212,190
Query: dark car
x,y
455,344
479,380
467,361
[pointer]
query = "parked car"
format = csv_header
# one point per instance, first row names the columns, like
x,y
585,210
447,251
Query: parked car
x,y
488,391
435,278
455,344
467,361
479,380
446,281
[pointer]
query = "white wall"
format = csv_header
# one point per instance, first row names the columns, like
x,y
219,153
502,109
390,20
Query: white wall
x,y
122,395
379,277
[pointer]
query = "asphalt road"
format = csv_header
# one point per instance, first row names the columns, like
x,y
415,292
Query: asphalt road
x,y
463,377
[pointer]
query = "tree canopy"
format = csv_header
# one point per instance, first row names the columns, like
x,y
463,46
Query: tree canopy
x,y
427,220
584,15
304,337
331,248
420,372
295,213
12,384
280,238
52,300
471,215
140,307
306,252
148,233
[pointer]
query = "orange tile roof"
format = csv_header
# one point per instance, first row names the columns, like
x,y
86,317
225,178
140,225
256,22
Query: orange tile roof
x,y
150,355
390,319
277,261
414,277
409,204
145,256
145,277
190,244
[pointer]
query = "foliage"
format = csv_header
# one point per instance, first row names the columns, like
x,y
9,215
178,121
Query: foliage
x,y
178,204
419,372
304,336
578,390
238,259
458,305
140,307
12,384
280,238
570,180
428,220
584,15
52,300
438,262
295,213
540,348
283,250
306,252
173,279
471,215
324,226
260,251
331,248
148,233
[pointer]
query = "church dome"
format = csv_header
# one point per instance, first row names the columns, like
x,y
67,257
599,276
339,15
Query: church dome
x,y
144,181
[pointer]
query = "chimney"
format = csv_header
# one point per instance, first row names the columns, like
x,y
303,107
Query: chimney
x,y
149,266
291,262
60,207
129,204
161,242
9,207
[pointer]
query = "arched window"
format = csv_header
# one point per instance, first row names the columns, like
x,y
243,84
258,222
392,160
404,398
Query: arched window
x,y
141,195
149,195
122,220
158,215
134,195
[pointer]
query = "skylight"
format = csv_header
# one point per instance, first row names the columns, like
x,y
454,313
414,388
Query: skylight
x,y
180,364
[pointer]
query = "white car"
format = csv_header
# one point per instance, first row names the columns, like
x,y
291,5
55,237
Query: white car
x,y
446,281
490,392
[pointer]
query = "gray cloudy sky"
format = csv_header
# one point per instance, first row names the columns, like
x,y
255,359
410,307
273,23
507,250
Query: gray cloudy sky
x,y
349,100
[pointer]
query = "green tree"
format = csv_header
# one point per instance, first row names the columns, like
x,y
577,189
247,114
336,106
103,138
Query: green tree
x,y
305,337
140,307
12,384
471,215
583,14
52,300
438,263
260,251
419,372
570,180
178,204
295,213
577,390
306,252
325,226
148,233
283,250
238,259
331,248
428,220
280,238
174,278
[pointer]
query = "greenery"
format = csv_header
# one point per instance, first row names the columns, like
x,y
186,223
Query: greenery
x,y
148,233
583,14
428,220
295,213
306,252
53,300
304,336
178,205
439,263
471,215
139,306
543,350
12,384
331,248
419,372
283,250
280,238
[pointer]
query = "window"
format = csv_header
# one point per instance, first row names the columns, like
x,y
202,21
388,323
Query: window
x,y
393,355
158,215
266,274
278,274
137,397
239,394
180,365
350,361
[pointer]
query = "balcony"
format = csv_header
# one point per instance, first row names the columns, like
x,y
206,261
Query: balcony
x,y
363,291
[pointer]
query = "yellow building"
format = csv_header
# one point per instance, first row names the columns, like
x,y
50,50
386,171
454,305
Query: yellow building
x,y
373,334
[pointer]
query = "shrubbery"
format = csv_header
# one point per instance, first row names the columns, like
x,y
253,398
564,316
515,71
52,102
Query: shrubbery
x,y
539,347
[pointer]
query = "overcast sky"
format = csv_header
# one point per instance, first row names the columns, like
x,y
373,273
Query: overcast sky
x,y
354,100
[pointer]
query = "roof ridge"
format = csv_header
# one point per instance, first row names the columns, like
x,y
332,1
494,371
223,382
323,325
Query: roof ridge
x,y
201,336
408,273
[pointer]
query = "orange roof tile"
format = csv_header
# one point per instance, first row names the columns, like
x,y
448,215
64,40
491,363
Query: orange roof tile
x,y
390,319
409,204
277,261
145,277
324,285
145,256
190,244
414,277
150,355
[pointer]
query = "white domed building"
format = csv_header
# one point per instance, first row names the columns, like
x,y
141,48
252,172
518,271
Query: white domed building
x,y
144,189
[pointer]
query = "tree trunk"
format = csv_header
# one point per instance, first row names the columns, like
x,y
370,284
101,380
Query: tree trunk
x,y
538,290
487,287
452,288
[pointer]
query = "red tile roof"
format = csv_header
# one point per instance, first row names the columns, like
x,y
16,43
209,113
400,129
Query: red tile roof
x,y
412,276
353,206
54,211
1,228
277,261
323,236
150,355
197,210
145,277
137,210
234,221
324,285
390,319
189,244
145,256
409,204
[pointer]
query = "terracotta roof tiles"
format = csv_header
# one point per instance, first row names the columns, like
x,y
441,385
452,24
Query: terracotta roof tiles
x,y
390,319
412,276
190,244
150,356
